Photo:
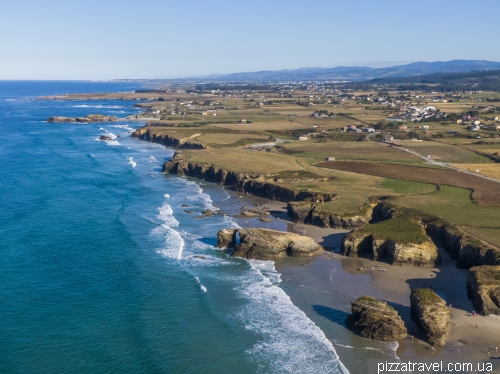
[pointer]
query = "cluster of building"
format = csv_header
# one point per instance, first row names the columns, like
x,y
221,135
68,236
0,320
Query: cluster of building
x,y
353,128
414,114
473,123
323,114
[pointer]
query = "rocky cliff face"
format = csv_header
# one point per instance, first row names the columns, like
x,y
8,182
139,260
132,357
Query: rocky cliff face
x,y
468,251
375,319
310,213
483,288
431,312
421,254
358,244
252,183
150,135
263,244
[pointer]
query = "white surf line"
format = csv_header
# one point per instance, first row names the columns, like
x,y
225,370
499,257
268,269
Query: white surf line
x,y
331,274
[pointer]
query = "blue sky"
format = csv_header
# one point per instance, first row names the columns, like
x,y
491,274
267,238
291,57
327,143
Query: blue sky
x,y
108,39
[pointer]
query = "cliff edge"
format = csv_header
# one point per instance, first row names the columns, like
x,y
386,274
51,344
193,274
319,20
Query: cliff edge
x,y
483,288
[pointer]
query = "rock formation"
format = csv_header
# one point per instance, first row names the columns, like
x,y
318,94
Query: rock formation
x,y
375,319
467,250
87,119
432,314
310,213
264,244
255,184
483,288
375,247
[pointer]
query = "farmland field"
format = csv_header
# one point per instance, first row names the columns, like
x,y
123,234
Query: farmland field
x,y
485,191
490,170
445,152
350,151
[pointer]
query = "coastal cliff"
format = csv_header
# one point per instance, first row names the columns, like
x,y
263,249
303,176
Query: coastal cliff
x,y
483,288
396,253
467,250
408,237
431,312
375,319
252,183
400,239
380,229
311,213
146,133
264,244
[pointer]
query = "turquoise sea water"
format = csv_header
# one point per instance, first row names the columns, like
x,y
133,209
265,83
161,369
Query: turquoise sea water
x,y
98,266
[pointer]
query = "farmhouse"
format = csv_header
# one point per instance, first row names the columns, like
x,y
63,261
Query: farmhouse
x,y
388,138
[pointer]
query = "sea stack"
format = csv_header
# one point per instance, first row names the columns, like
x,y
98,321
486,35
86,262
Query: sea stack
x,y
432,314
375,319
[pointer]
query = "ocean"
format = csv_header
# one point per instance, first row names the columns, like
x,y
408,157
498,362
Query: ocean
x,y
102,270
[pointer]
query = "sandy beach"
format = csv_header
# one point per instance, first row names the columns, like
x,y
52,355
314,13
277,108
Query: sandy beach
x,y
470,337
324,287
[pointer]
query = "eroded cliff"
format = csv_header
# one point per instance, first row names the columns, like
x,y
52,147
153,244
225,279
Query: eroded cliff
x,y
264,244
483,288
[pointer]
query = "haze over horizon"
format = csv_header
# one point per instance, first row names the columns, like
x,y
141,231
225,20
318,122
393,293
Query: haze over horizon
x,y
158,39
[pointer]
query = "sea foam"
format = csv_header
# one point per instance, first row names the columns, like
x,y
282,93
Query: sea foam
x,y
174,243
132,162
291,342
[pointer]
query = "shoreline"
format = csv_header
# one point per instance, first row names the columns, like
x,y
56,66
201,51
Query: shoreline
x,y
393,285
332,273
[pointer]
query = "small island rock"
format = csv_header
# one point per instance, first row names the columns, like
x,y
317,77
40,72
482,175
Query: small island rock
x,y
431,312
375,319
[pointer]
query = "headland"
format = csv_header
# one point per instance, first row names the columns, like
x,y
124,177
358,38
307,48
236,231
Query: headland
x,y
372,175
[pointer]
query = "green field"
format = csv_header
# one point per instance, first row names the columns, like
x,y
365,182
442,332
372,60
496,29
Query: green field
x,y
367,151
454,205
445,152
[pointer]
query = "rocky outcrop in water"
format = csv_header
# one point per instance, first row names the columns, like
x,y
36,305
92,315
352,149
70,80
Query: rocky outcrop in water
x,y
87,119
264,244
375,319
432,314
483,288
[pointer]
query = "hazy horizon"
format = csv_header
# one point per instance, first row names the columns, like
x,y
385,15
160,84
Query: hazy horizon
x,y
166,39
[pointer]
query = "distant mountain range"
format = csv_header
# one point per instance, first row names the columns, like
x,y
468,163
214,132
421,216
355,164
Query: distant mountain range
x,y
357,73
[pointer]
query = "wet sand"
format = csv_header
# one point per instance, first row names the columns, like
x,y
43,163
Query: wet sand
x,y
324,287
355,277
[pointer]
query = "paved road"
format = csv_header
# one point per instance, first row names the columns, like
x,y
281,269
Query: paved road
x,y
430,161
261,145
